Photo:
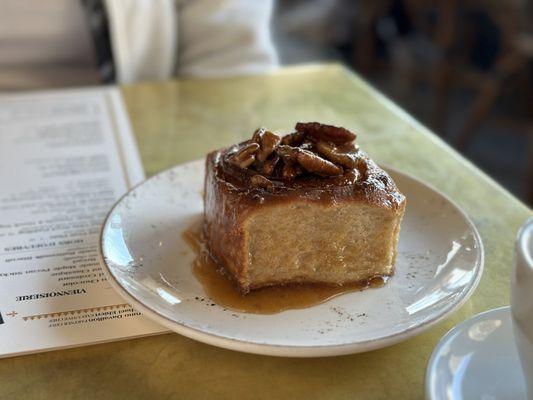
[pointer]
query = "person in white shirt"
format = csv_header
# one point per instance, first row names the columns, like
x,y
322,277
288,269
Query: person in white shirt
x,y
82,42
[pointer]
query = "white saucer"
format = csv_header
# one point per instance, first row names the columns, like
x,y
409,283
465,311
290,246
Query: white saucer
x,y
477,359
439,264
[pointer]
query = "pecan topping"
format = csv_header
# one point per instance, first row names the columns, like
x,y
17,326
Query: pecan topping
x,y
259,132
290,171
326,133
245,156
293,139
261,181
334,154
316,164
288,153
309,160
268,143
307,145
269,165
314,148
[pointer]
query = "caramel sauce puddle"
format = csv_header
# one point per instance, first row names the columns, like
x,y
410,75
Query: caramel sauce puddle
x,y
220,287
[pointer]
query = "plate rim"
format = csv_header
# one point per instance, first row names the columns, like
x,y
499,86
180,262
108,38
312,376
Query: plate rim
x,y
428,393
291,350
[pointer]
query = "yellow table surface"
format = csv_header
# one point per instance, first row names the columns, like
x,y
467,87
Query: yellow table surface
x,y
179,121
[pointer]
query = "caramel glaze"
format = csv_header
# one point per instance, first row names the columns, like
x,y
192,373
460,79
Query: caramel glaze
x,y
222,289
367,182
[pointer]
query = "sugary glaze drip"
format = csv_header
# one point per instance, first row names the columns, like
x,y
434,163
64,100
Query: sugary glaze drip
x,y
222,290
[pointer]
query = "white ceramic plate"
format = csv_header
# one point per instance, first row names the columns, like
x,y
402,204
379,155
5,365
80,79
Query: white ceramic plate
x,y
477,359
439,264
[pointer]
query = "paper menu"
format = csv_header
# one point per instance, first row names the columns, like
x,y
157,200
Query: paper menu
x,y
65,158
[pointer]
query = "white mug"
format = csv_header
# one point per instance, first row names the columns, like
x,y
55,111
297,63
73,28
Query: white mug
x,y
522,300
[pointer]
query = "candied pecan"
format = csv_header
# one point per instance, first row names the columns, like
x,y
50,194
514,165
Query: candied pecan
x,y
261,182
245,156
326,133
307,145
293,139
268,142
316,164
334,154
288,153
269,165
259,132
290,171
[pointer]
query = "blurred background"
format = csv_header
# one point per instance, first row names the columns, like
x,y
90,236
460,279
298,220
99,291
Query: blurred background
x,y
463,68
